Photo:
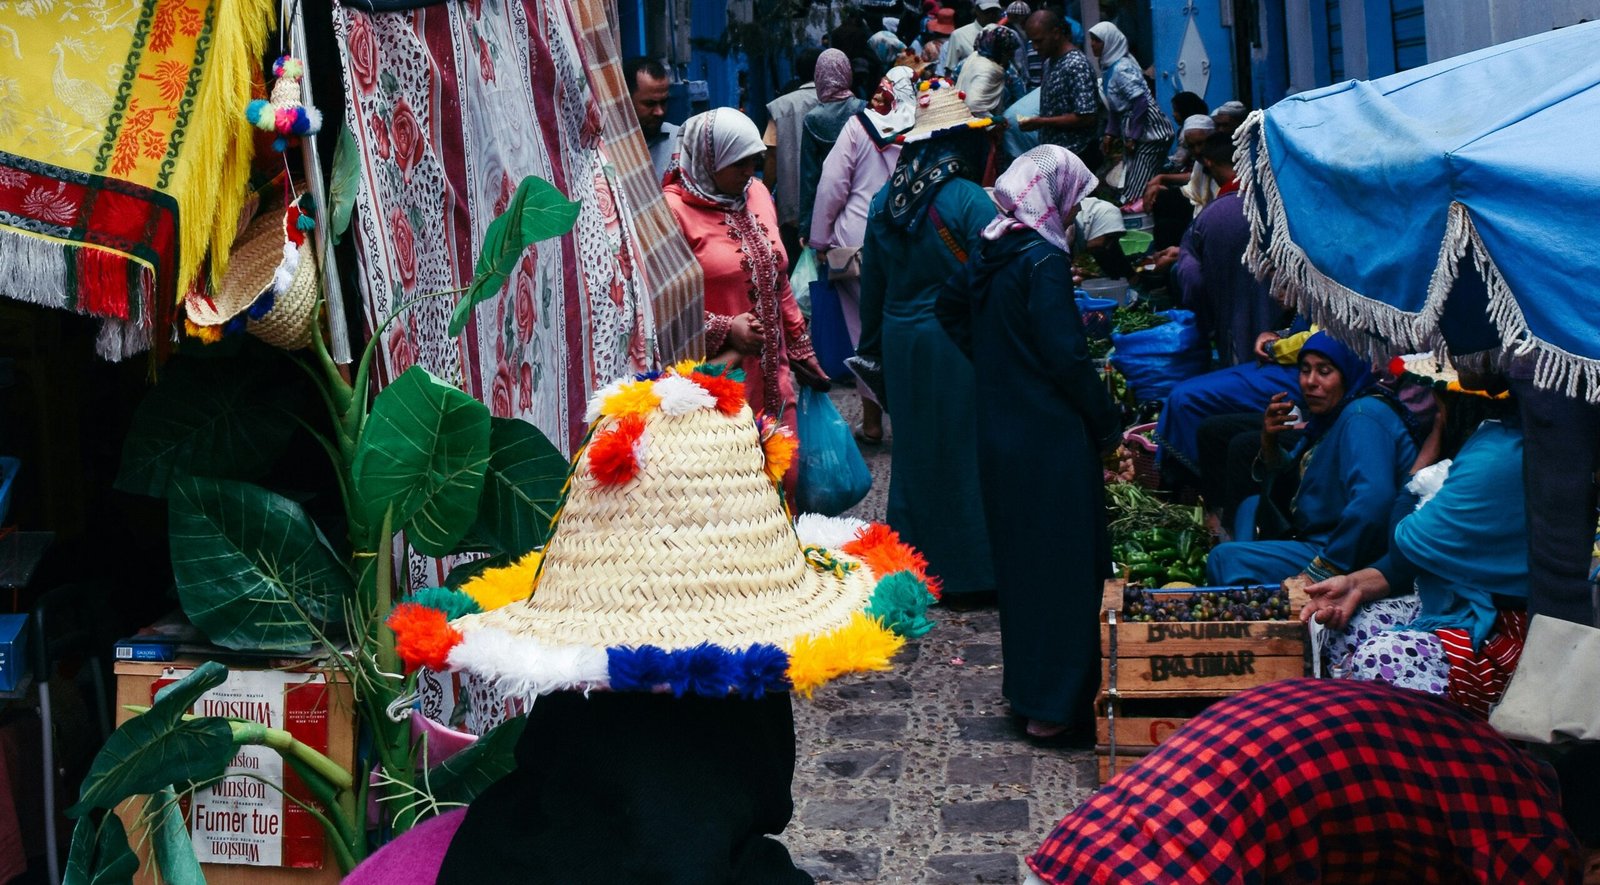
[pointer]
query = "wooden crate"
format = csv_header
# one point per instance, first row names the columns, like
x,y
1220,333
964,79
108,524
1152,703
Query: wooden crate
x,y
1140,725
1194,658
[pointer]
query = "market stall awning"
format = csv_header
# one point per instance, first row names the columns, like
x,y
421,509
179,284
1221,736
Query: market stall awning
x,y
1412,208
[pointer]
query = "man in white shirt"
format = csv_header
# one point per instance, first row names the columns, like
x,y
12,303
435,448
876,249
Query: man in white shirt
x,y
647,85
964,40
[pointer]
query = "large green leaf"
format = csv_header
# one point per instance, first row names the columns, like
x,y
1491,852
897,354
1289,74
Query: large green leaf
x,y
537,211
100,854
346,180
241,555
466,774
523,487
422,458
174,849
159,747
229,421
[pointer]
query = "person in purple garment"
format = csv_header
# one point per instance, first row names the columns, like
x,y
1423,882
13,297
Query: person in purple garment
x,y
1233,307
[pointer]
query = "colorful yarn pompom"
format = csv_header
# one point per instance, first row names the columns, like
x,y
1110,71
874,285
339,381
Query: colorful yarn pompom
x,y
728,392
614,454
863,644
778,445
638,669
680,396
711,671
453,603
632,398
762,668
498,587
203,334
901,601
423,636
882,550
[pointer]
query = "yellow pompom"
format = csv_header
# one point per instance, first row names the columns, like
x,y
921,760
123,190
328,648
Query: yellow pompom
x,y
861,645
502,586
684,367
634,398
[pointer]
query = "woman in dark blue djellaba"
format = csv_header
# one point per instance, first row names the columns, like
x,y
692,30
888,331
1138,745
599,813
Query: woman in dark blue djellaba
x,y
1044,419
1355,455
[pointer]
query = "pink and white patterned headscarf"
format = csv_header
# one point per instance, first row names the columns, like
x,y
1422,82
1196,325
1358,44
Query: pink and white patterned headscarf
x,y
1039,192
833,76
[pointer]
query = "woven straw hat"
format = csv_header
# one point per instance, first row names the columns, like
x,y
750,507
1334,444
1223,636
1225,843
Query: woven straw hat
x,y
1436,372
674,565
942,109
271,284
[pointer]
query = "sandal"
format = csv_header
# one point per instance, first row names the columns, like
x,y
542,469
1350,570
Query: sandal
x,y
865,439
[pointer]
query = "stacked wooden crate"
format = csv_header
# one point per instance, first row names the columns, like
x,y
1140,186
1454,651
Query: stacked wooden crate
x,y
1155,675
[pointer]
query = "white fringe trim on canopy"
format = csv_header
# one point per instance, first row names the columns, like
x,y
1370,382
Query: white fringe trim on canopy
x,y
1370,326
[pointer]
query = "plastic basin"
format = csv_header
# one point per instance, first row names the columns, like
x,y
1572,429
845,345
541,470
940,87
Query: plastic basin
x,y
1136,242
1113,290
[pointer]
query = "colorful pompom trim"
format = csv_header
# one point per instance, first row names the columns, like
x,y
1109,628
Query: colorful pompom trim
x,y
453,603
614,455
423,636
728,392
633,398
863,644
498,587
778,446
882,550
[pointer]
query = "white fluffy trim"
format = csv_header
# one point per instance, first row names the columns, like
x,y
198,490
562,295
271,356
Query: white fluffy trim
x,y
526,667
831,532
283,277
599,399
1427,481
680,396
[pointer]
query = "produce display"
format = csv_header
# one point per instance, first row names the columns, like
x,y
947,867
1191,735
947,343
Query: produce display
x,y
1208,604
1154,542
1139,317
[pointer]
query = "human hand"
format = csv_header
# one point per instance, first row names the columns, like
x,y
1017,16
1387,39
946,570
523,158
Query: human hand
x,y
1262,342
1333,602
745,334
1278,417
1152,192
1129,145
1105,144
810,373
1028,124
1166,258
822,257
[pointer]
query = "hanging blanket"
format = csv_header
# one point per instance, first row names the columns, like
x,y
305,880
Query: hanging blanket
x,y
123,152
677,287
451,106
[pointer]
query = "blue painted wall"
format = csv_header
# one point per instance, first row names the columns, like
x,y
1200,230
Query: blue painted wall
x,y
1169,19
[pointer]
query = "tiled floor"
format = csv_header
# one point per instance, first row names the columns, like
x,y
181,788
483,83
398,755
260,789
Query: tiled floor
x,y
918,775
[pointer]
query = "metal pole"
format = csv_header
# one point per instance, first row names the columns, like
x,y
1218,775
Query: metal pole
x,y
338,329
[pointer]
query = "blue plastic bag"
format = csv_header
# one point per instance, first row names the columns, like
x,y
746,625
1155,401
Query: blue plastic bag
x,y
829,337
833,475
1156,360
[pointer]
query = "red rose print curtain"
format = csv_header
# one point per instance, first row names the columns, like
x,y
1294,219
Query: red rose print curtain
x,y
451,106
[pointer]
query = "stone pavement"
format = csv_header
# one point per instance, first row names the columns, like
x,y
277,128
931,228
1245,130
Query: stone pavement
x,y
919,774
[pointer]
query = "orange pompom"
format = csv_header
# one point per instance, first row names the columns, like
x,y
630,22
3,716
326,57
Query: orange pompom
x,y
614,454
778,445
729,393
422,636
882,550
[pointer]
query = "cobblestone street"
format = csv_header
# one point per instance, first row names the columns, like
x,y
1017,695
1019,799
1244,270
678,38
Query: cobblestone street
x,y
919,774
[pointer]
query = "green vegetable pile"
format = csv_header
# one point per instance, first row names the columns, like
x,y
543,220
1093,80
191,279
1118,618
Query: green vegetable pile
x,y
1138,318
1155,542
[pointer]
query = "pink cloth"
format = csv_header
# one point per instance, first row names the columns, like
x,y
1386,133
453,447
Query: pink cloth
x,y
833,76
746,270
1039,192
853,173
415,857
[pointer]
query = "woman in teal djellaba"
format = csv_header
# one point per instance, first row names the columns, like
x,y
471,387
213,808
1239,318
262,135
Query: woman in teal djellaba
x,y
922,227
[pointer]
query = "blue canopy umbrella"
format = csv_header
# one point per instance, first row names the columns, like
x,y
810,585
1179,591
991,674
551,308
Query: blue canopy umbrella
x,y
1458,202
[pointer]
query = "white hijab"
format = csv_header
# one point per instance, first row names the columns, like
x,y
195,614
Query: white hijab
x,y
711,142
898,85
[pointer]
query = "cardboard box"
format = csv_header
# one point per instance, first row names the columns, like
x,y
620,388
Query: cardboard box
x,y
135,683
16,651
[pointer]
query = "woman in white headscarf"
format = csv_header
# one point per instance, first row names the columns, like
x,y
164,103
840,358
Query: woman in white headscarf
x,y
1133,115
752,320
862,159
1044,419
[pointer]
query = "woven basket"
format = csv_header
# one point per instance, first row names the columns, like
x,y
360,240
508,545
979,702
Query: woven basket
x,y
1144,455
696,548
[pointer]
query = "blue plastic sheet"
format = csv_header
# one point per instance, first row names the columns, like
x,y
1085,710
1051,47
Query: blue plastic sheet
x,y
1155,360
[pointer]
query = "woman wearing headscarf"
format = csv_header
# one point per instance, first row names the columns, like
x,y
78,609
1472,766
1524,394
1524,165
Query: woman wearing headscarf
x,y
1044,419
752,320
1352,459
986,78
855,170
822,124
920,229
1134,117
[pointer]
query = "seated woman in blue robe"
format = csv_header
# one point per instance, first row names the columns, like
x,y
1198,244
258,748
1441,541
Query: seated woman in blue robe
x,y
1463,548
1353,458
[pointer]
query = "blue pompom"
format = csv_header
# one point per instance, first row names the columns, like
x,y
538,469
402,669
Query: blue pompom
x,y
305,222
234,326
262,306
712,670
763,668
648,376
260,115
637,669
279,143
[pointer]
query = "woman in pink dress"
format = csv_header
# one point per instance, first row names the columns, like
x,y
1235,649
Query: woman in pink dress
x,y
752,321
857,168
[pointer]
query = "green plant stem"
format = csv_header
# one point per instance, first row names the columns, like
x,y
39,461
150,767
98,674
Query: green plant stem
x,y
341,851
356,417
344,829
342,390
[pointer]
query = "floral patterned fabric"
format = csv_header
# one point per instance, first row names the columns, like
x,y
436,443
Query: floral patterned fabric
x,y
451,107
